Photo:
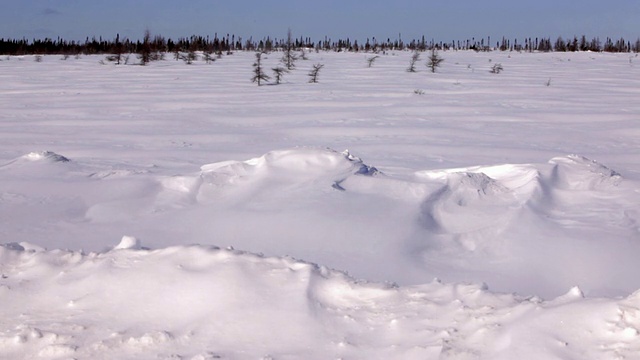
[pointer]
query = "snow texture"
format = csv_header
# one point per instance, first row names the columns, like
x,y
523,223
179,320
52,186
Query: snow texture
x,y
125,190
199,302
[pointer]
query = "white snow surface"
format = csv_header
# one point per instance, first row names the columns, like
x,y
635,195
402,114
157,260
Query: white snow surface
x,y
125,190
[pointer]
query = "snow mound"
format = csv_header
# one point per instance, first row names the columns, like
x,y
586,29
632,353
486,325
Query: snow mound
x,y
526,219
198,302
128,243
497,224
49,156
474,196
475,207
576,172
290,171
298,164
33,158
483,196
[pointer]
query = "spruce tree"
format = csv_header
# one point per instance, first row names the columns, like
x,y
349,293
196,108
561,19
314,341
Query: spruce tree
x,y
434,60
279,72
415,57
315,71
258,73
289,58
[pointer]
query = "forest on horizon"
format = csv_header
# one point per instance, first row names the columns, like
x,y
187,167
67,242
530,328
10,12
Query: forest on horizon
x,y
229,43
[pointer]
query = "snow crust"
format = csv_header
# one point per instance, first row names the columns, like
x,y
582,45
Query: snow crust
x,y
125,190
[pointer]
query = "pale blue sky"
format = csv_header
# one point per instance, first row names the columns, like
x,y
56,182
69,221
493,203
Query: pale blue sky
x,y
442,20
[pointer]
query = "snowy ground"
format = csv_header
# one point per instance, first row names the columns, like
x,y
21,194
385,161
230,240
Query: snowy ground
x,y
124,191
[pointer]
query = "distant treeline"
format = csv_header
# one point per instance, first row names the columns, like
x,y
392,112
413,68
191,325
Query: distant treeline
x,y
230,43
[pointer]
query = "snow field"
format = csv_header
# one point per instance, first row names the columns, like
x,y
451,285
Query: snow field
x,y
470,180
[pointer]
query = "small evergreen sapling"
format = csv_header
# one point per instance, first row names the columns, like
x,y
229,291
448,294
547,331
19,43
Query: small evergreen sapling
x,y
189,57
496,68
144,52
313,74
371,60
434,60
289,58
412,63
208,56
258,73
279,72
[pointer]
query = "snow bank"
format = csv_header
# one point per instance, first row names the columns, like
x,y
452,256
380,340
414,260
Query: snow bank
x,y
198,302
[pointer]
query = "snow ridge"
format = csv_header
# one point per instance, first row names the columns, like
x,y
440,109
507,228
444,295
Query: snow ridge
x,y
489,224
210,302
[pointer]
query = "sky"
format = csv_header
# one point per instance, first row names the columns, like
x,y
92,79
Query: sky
x,y
440,20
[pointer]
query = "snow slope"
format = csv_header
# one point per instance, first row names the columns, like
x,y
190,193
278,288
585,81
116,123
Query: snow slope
x,y
526,181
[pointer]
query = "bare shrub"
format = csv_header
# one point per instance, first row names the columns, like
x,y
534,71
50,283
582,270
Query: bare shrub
x,y
496,68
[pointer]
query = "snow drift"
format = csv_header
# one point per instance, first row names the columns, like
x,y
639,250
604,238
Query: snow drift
x,y
530,228
197,302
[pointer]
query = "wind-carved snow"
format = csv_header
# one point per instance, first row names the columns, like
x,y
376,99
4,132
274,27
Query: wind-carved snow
x,y
494,224
45,156
204,302
128,243
462,196
467,223
36,163
288,171
576,172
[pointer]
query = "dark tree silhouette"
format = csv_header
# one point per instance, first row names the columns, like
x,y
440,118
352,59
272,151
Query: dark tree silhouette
x,y
152,48
144,54
434,60
371,60
258,73
289,58
415,57
315,71
279,72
